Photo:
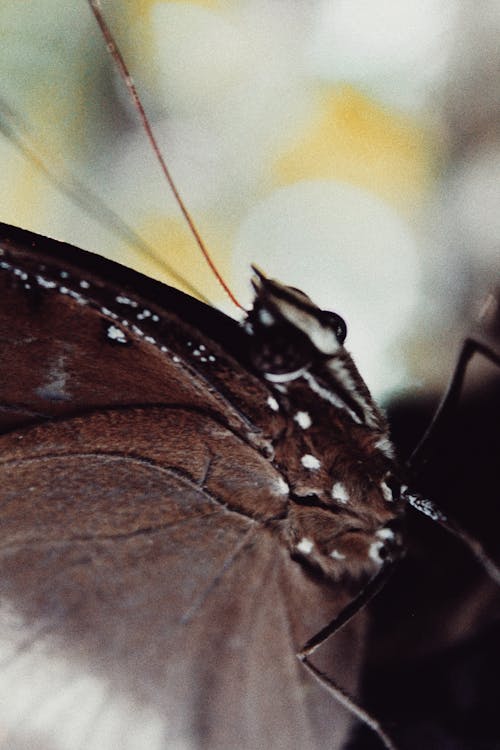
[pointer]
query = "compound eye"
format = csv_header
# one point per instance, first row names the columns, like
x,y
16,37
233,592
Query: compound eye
x,y
338,324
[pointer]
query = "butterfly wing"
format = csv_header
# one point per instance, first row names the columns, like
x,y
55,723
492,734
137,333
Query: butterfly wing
x,y
142,606
84,332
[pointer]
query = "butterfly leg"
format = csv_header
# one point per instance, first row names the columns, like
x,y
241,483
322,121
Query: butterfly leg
x,y
345,615
484,340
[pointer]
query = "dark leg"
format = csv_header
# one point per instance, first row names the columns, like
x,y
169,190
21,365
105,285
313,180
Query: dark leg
x,y
364,596
351,705
486,341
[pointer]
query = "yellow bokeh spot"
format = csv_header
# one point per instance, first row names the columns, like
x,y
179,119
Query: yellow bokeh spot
x,y
136,9
353,139
176,258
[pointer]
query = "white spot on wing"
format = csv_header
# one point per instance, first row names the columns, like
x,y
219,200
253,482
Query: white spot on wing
x,y
305,546
126,300
309,461
272,403
283,488
116,334
109,313
45,283
336,555
303,419
374,552
386,492
76,295
339,493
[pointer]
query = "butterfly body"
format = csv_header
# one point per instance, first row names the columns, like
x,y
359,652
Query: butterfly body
x,y
182,506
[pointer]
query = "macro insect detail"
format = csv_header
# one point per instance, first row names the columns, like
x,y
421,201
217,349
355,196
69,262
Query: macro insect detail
x,y
185,458
194,511
334,453
170,477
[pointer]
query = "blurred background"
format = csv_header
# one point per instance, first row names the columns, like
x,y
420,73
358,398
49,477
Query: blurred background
x,y
350,148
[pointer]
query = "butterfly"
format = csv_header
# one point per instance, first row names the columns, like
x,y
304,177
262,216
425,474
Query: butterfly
x,y
147,372
173,500
186,505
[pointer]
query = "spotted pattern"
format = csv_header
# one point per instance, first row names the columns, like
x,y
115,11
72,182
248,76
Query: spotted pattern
x,y
310,462
374,552
386,492
303,419
305,546
340,493
272,403
283,488
336,555
114,333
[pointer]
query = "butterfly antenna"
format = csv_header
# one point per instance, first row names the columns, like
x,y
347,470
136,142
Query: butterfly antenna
x,y
485,341
132,90
427,508
81,195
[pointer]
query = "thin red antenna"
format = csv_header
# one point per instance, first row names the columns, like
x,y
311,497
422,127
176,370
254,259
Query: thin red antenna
x,y
127,78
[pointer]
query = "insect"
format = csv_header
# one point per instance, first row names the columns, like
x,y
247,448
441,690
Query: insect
x,y
173,499
134,334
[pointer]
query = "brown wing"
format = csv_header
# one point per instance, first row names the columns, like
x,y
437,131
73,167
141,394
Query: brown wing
x,y
79,332
138,609
146,598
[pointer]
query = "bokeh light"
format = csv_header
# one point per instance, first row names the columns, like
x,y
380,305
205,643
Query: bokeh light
x,y
327,141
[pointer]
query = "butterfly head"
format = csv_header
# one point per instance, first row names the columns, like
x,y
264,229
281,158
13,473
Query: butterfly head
x,y
290,332
335,454
293,339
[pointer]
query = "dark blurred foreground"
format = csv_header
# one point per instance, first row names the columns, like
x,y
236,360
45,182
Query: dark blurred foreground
x,y
433,659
